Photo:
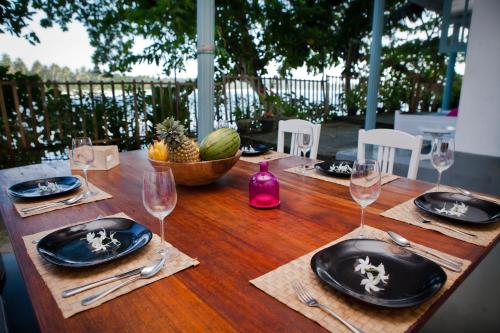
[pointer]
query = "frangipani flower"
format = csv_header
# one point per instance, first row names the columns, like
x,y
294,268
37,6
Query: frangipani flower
x,y
375,274
458,209
99,243
371,283
363,265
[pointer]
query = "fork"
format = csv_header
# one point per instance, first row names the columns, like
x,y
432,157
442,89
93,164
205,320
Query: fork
x,y
68,202
463,233
309,300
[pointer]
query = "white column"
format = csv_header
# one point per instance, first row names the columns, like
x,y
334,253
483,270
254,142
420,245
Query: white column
x,y
205,20
478,123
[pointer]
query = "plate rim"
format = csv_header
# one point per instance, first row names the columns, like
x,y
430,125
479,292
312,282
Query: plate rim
x,y
339,175
257,153
118,256
491,220
14,194
384,303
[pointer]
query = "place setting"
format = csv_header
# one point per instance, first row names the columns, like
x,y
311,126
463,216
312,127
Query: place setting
x,y
334,171
256,153
88,263
37,196
454,212
369,280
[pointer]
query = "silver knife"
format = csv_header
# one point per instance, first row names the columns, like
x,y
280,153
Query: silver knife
x,y
77,290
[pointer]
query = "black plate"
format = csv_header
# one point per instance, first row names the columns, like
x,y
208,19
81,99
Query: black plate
x,y
259,150
324,167
479,211
412,278
69,247
29,189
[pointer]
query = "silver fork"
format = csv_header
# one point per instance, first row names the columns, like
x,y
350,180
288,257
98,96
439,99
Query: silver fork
x,y
463,233
69,201
307,299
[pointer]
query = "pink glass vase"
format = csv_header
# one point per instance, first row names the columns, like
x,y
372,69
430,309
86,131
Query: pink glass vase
x,y
264,189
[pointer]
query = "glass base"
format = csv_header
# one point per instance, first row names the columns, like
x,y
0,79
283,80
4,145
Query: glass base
x,y
168,253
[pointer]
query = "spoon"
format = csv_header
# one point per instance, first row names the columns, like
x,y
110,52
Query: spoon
x,y
146,273
403,242
68,201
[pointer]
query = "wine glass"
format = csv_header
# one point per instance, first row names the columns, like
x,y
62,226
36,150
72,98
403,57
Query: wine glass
x,y
304,142
159,197
442,155
83,156
365,186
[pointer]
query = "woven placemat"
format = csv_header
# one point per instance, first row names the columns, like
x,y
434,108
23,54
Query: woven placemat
x,y
269,156
409,213
59,279
99,195
369,318
313,173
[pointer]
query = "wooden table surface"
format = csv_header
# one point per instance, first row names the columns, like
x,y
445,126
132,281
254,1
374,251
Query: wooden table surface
x,y
233,242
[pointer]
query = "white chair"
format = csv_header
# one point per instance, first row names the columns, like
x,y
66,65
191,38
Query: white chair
x,y
294,126
387,141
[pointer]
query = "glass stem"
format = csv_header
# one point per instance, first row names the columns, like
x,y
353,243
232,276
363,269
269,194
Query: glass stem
x,y
439,180
162,234
362,225
86,180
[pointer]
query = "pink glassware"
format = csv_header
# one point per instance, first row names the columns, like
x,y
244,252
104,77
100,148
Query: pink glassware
x,y
264,189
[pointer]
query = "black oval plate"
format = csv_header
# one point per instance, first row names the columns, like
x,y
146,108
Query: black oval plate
x,y
324,167
479,211
259,149
412,278
29,189
69,247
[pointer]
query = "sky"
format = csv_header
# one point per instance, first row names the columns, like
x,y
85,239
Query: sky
x,y
72,48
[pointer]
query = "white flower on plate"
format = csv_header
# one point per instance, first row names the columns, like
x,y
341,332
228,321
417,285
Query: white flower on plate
x,y
371,282
374,274
458,209
48,187
341,168
363,265
98,243
381,273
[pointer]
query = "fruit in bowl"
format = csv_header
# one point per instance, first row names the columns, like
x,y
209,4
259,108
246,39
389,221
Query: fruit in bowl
x,y
158,151
193,165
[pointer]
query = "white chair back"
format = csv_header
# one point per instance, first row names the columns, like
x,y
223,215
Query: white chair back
x,y
294,126
388,141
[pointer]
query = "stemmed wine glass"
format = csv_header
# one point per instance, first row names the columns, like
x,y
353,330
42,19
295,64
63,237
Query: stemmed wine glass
x,y
83,156
159,197
304,142
442,155
365,186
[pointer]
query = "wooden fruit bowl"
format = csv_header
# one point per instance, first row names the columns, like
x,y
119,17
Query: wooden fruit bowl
x,y
198,173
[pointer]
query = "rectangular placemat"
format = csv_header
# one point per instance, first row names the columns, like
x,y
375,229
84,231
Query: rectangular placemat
x,y
269,156
369,318
409,213
59,279
99,195
313,173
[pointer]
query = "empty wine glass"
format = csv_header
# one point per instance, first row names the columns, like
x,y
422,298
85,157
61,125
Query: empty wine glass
x,y
159,197
442,155
83,156
365,186
304,142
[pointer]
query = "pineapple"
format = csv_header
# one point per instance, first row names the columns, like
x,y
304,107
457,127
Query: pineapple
x,y
181,149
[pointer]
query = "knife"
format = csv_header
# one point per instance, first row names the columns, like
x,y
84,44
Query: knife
x,y
77,290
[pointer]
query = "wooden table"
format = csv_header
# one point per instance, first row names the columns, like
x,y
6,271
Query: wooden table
x,y
233,242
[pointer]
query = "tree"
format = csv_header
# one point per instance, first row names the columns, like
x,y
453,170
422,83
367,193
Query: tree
x,y
15,17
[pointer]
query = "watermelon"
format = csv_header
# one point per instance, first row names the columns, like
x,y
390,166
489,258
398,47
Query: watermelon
x,y
222,143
